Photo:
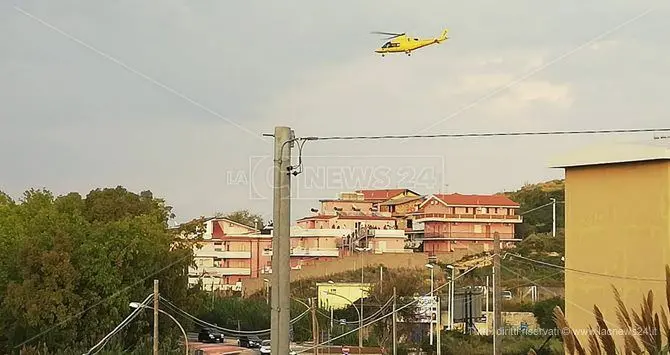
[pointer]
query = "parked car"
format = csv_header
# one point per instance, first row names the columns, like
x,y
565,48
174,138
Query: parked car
x,y
265,347
208,335
251,341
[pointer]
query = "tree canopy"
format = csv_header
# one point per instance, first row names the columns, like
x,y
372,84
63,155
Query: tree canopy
x,y
538,219
72,264
245,217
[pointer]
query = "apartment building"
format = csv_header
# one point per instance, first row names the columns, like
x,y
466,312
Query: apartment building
x,y
617,222
457,221
231,252
383,241
310,246
379,196
402,210
228,253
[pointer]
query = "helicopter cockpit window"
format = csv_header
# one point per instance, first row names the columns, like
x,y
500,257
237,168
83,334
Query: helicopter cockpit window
x,y
386,45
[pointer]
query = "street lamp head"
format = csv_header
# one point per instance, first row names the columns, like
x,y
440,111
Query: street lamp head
x,y
331,282
450,266
266,280
134,305
430,266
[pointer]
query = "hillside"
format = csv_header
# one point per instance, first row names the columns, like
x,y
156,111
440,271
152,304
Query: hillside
x,y
532,196
518,273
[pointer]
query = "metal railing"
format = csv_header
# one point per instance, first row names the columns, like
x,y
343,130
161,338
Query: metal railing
x,y
465,235
467,216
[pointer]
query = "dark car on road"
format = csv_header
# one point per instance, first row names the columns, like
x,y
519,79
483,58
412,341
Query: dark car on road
x,y
251,341
208,335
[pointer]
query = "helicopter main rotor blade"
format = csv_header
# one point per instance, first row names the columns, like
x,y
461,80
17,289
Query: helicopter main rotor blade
x,y
387,33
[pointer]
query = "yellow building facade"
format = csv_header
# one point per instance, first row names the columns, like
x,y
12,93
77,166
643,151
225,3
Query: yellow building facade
x,y
617,228
341,295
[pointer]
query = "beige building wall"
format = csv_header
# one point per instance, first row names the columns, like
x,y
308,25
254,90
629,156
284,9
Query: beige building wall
x,y
617,223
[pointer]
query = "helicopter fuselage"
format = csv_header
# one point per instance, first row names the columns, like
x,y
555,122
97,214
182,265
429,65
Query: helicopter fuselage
x,y
405,44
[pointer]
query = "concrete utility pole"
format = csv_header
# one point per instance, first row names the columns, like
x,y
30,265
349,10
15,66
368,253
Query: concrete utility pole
x,y
553,227
497,319
360,331
395,317
381,278
315,324
156,317
281,243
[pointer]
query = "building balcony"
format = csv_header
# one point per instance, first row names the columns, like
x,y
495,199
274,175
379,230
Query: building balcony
x,y
477,218
333,252
220,271
222,254
386,233
465,236
393,251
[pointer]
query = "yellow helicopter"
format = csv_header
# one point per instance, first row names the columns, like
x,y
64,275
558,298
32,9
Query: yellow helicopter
x,y
401,43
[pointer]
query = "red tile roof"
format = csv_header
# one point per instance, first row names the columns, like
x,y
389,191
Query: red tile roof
x,y
477,200
381,194
317,217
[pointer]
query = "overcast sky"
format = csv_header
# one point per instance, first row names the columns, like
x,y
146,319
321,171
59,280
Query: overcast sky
x,y
173,96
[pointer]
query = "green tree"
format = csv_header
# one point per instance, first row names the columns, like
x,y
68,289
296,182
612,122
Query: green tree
x,y
544,312
531,197
245,217
73,265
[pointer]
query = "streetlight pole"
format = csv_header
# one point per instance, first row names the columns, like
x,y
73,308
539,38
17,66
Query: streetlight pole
x,y
451,297
553,226
267,290
140,305
360,331
432,299
360,316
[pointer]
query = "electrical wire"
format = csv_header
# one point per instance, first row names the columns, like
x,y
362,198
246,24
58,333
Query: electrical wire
x,y
584,271
101,344
494,134
226,330
538,207
393,312
381,309
230,332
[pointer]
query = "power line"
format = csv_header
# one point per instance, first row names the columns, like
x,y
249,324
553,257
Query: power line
x,y
493,134
119,327
232,332
584,271
537,208
397,310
